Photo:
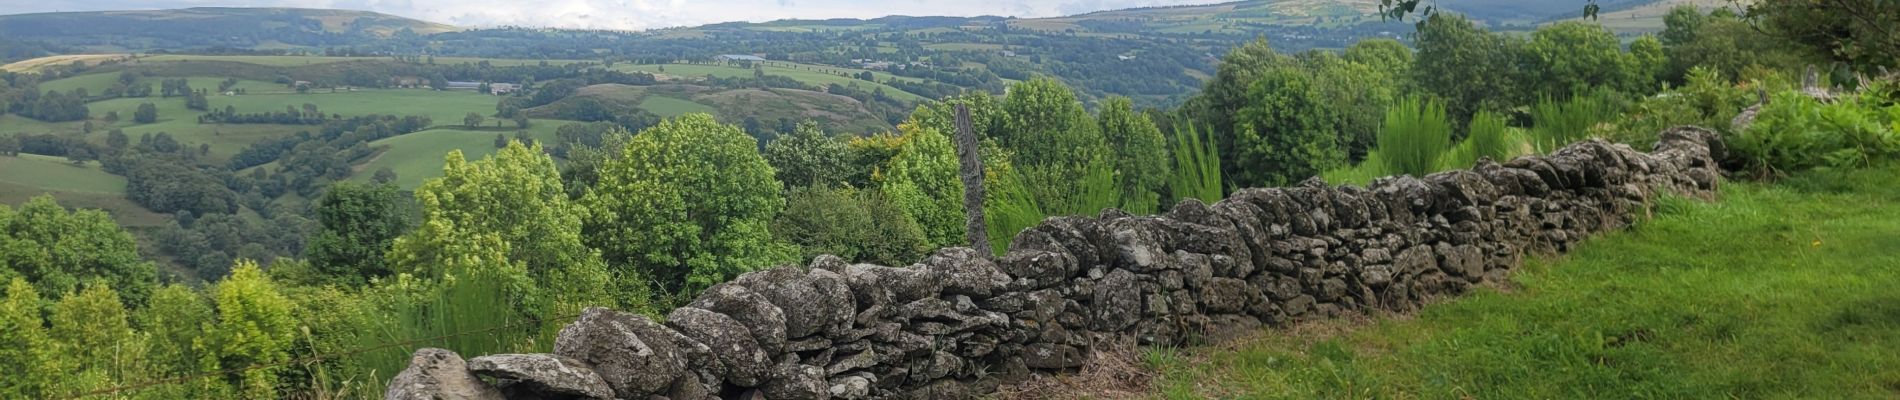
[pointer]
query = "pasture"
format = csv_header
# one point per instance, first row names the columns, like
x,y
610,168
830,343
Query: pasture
x,y
418,157
1780,290
35,65
28,176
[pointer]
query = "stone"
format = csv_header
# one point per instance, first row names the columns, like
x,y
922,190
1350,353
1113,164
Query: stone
x,y
636,356
1228,296
850,388
741,360
811,302
1051,356
437,374
541,376
796,382
765,320
966,272
1117,302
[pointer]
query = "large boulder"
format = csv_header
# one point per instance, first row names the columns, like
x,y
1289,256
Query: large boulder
x,y
797,382
812,302
541,376
437,374
636,356
764,320
967,272
740,358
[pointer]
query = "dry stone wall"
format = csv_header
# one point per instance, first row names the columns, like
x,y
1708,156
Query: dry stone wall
x,y
956,323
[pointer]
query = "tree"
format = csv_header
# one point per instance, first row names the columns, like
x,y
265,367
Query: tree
x,y
472,120
56,250
689,202
807,157
1862,33
1358,88
116,140
254,327
92,331
1573,57
437,82
1469,68
27,353
1141,155
358,225
146,113
517,197
1055,143
175,323
922,180
857,225
1226,94
1719,40
1286,131
384,176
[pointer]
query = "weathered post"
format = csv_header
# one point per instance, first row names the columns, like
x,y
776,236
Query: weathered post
x,y
972,171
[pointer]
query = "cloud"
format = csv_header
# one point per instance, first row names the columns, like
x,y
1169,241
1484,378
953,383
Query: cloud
x,y
625,14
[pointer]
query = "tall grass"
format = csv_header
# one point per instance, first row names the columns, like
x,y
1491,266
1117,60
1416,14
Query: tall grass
x,y
1486,137
1673,309
1555,124
1010,207
1196,166
471,313
1415,133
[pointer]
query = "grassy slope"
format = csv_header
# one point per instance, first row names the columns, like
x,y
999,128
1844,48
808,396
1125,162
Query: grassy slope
x,y
672,107
28,176
418,157
1777,291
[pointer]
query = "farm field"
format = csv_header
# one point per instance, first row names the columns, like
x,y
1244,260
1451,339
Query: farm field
x,y
1648,18
97,84
811,74
34,65
672,107
30,176
1779,290
417,157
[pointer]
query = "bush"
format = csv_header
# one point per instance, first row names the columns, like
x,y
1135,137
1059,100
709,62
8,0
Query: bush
x,y
1795,132
1556,124
1415,133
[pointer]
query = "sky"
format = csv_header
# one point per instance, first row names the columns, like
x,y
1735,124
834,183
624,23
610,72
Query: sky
x,y
624,14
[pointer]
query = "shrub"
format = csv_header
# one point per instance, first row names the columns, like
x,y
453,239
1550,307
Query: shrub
x,y
1415,133
1556,124
1795,132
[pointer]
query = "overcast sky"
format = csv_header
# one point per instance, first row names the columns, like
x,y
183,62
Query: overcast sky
x,y
624,14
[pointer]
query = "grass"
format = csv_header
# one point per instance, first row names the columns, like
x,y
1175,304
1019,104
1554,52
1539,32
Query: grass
x,y
96,84
417,157
27,176
672,107
37,64
56,174
1777,291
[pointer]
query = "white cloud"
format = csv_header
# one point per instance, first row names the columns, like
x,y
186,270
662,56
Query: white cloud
x,y
624,14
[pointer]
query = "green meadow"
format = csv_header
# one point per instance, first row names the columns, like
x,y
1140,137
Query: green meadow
x,y
418,157
1779,290
78,186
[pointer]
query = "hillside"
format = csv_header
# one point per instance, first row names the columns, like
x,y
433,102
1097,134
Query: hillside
x,y
207,26
736,106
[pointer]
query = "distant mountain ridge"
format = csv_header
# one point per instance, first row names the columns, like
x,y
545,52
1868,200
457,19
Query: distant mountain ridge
x,y
190,27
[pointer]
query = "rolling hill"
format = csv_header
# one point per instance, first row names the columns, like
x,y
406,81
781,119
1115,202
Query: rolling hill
x,y
837,113
117,31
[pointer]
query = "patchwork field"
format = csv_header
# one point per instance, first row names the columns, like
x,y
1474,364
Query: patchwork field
x,y
810,74
1779,290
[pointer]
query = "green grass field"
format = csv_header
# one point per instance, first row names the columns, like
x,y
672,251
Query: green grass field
x,y
96,84
56,174
27,176
417,157
274,61
672,107
1776,291
812,74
